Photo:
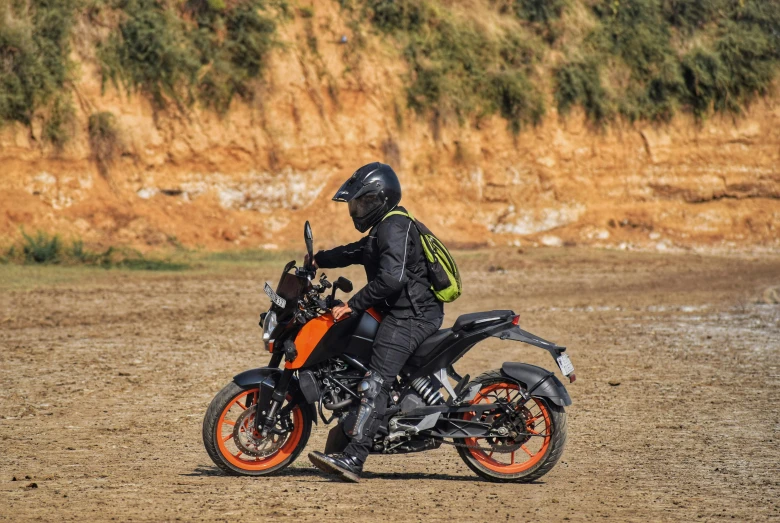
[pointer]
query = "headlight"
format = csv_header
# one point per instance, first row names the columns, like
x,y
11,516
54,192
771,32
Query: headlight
x,y
268,327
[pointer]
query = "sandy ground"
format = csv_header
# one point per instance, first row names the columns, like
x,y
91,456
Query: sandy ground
x,y
105,376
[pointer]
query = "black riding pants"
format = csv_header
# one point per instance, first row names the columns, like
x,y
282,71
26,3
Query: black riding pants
x,y
396,340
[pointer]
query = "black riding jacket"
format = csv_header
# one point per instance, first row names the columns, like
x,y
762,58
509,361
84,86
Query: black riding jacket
x,y
391,250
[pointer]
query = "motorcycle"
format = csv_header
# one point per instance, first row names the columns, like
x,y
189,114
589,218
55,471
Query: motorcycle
x,y
508,424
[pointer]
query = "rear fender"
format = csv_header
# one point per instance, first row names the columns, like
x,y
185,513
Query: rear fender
x,y
265,378
538,382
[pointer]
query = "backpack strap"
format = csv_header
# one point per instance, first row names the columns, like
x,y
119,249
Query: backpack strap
x,y
427,246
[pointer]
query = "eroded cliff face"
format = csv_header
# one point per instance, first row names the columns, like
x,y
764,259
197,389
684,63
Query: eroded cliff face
x,y
251,177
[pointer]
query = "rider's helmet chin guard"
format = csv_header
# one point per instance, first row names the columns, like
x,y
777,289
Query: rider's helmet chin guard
x,y
371,192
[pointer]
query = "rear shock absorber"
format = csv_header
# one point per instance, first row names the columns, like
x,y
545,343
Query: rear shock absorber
x,y
427,391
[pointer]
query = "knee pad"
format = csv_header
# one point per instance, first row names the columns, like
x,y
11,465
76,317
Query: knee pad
x,y
368,390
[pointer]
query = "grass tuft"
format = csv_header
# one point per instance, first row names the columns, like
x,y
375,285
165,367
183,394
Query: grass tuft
x,y
41,248
45,249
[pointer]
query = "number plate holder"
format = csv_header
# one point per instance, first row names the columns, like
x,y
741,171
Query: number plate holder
x,y
564,363
275,298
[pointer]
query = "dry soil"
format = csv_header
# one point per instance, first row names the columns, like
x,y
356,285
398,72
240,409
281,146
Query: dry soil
x,y
105,377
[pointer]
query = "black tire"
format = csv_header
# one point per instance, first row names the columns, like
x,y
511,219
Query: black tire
x,y
212,435
550,457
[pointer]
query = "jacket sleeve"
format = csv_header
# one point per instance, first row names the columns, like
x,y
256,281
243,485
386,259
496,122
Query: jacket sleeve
x,y
392,243
343,256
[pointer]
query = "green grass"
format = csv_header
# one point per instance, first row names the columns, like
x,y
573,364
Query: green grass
x,y
42,248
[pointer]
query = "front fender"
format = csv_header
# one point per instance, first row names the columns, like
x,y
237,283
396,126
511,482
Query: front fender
x,y
538,381
257,376
266,377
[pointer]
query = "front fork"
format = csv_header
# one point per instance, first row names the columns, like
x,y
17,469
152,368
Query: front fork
x,y
269,401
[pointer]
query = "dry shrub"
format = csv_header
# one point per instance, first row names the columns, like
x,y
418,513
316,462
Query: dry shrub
x,y
104,140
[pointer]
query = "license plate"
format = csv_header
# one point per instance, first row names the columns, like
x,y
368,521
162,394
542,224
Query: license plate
x,y
278,300
565,364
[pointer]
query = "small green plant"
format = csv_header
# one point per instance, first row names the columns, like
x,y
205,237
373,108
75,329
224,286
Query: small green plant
x,y
104,140
306,11
41,248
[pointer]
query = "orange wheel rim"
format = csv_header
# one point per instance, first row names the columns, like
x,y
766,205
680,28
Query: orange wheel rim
x,y
233,454
531,451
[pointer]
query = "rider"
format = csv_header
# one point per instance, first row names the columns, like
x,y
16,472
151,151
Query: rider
x,y
390,252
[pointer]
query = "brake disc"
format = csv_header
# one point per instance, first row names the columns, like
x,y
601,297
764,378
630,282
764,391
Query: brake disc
x,y
251,443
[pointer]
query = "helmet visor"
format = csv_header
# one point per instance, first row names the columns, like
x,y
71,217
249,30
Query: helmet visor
x,y
364,205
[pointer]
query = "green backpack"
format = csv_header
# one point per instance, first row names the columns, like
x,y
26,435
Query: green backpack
x,y
443,273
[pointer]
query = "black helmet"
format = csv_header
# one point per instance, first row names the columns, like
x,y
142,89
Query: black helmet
x,y
371,192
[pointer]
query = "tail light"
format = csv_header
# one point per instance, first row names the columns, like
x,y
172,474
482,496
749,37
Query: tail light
x,y
516,320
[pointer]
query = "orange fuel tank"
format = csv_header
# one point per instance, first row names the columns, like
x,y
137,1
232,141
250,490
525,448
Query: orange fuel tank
x,y
308,338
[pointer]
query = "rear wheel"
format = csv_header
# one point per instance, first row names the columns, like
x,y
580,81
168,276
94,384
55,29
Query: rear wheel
x,y
236,448
533,433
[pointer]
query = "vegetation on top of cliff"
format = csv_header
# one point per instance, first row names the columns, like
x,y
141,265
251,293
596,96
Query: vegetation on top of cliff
x,y
458,66
205,49
34,64
638,59
647,59
641,60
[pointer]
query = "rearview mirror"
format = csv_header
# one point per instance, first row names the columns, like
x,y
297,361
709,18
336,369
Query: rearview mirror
x,y
307,237
343,284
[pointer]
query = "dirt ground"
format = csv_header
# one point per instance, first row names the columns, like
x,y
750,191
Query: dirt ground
x,y
105,377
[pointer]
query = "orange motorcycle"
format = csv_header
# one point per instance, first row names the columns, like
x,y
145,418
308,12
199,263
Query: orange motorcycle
x,y
507,424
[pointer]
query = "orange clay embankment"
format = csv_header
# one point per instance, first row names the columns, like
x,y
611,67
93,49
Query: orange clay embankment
x,y
250,178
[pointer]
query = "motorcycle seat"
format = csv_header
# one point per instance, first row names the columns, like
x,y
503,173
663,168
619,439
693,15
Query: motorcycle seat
x,y
467,321
427,348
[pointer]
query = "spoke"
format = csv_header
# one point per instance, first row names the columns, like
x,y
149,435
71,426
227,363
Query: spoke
x,y
532,431
228,422
224,440
526,450
491,454
239,454
513,458
243,407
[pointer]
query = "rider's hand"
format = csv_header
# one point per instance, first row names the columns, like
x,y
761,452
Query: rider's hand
x,y
313,261
340,311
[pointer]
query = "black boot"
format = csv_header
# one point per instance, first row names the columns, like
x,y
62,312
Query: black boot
x,y
347,468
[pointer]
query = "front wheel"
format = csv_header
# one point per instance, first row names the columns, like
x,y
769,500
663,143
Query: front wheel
x,y
535,433
236,448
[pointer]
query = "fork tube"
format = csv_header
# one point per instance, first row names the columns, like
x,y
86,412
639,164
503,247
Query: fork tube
x,y
277,397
